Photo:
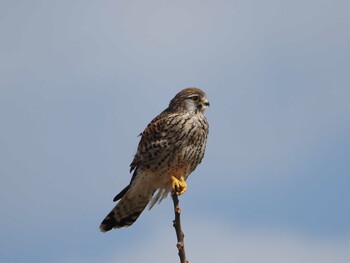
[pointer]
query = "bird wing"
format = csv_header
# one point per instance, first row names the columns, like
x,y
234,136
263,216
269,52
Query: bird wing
x,y
153,141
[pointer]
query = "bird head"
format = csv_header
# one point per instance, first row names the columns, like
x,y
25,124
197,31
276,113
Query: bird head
x,y
190,99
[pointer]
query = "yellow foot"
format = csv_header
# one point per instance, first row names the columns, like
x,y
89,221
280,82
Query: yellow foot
x,y
178,186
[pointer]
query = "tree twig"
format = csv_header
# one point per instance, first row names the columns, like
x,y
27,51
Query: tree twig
x,y
177,225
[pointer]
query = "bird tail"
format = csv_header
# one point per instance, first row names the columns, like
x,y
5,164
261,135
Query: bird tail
x,y
128,209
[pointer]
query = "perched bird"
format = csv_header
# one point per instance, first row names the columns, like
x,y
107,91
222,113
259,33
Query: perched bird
x,y
171,147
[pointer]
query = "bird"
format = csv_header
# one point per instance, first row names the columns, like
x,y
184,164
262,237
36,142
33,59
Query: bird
x,y
171,147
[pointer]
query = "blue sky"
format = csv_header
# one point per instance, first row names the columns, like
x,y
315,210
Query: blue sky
x,y
79,80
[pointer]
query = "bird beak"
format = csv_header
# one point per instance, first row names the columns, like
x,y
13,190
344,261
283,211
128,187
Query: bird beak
x,y
204,105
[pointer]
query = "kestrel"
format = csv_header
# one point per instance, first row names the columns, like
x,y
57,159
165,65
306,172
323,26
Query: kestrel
x,y
171,147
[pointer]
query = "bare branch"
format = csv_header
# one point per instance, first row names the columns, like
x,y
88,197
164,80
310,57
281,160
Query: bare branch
x,y
177,225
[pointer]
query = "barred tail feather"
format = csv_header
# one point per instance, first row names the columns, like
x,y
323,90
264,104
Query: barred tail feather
x,y
126,212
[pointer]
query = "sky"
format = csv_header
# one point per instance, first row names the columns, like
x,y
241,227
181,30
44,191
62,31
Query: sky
x,y
79,80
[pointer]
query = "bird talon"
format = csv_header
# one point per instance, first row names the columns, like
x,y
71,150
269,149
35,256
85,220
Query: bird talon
x,y
178,186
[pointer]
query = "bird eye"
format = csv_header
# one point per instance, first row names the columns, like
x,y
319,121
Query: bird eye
x,y
195,98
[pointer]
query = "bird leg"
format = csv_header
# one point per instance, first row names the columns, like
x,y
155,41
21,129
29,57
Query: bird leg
x,y
178,186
